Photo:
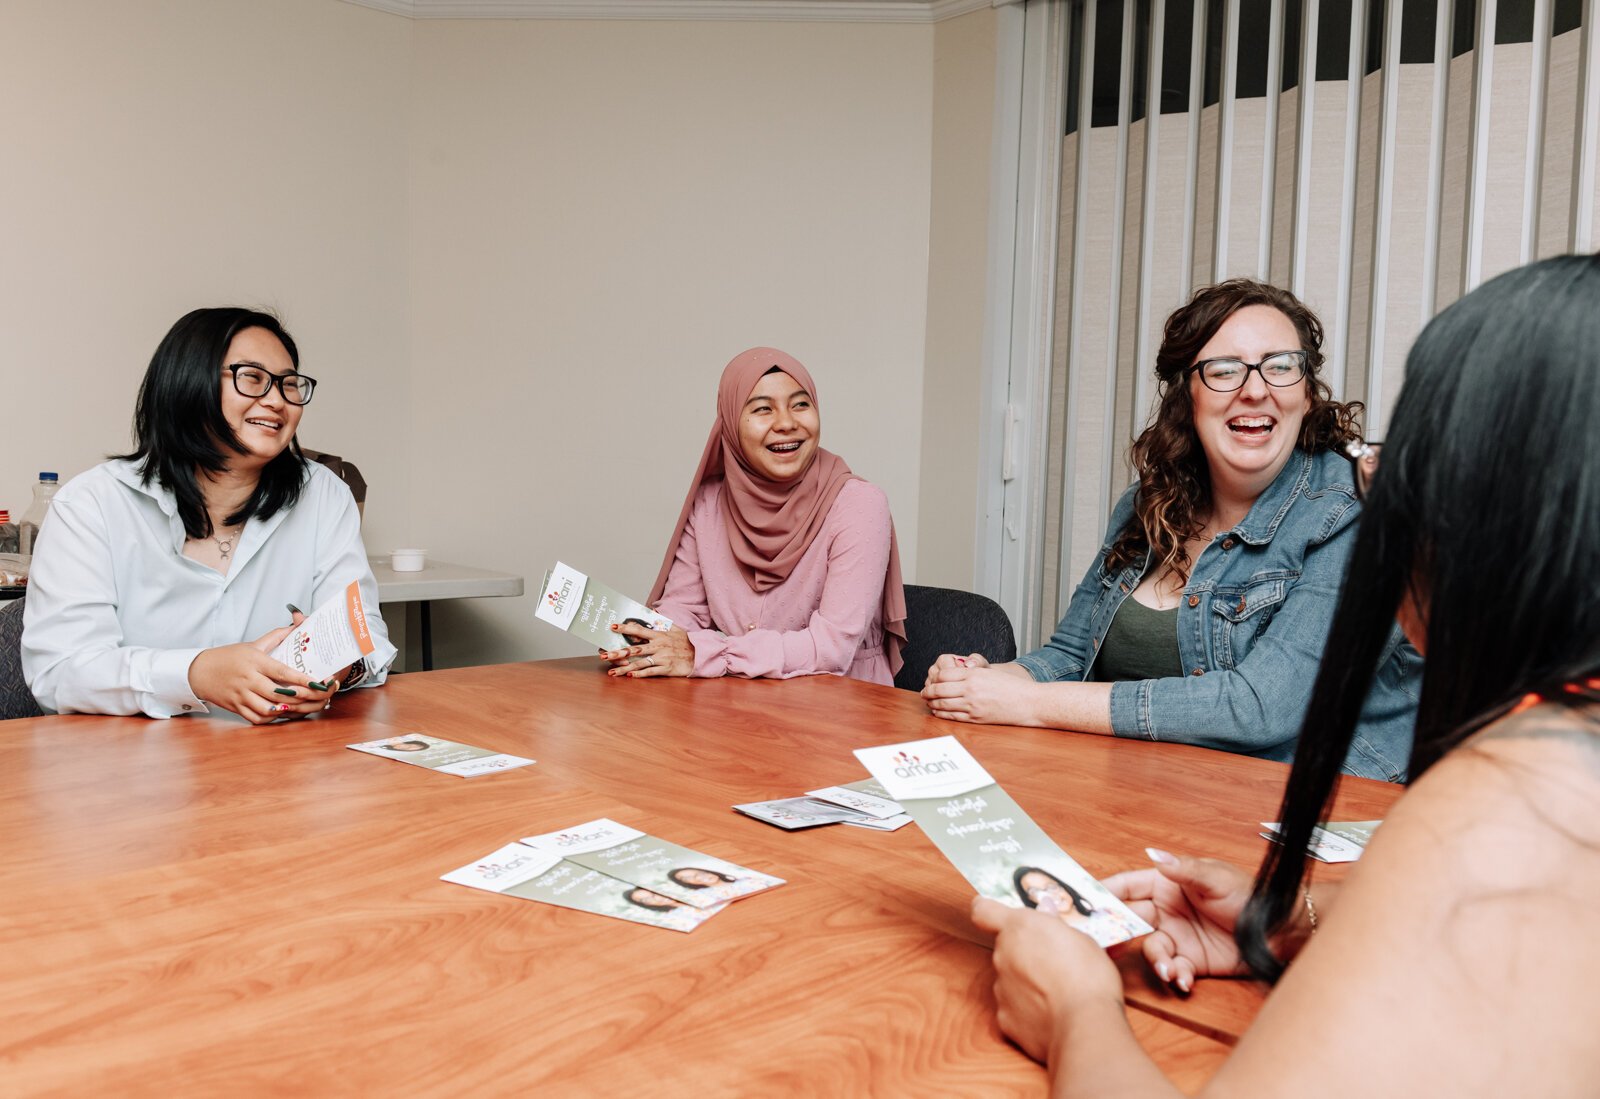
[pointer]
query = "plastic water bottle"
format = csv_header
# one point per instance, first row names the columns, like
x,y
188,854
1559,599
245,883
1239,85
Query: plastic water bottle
x,y
33,518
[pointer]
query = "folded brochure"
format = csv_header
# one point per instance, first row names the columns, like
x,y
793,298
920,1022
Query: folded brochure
x,y
863,804
587,609
986,835
330,638
441,755
1334,841
517,870
651,863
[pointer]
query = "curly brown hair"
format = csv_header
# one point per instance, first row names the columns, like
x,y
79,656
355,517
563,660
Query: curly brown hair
x,y
1174,480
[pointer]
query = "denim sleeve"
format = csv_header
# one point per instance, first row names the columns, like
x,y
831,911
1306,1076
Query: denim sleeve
x,y
1066,655
1258,706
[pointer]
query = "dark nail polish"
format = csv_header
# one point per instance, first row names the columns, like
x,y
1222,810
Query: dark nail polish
x,y
284,691
294,609
317,686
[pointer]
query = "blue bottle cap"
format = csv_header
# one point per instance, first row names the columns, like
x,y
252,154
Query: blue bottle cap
x,y
48,477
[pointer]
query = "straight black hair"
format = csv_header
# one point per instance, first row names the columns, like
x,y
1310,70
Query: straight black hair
x,y
1486,508
179,427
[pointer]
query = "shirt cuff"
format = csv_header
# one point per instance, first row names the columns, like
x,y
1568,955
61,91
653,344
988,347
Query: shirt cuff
x,y
1130,709
1041,670
169,690
710,653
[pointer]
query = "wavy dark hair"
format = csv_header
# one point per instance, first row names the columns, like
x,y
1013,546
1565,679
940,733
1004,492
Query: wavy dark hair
x,y
179,427
1485,507
1174,480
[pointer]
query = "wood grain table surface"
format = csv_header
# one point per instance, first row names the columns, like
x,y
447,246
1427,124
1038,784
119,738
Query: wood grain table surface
x,y
200,907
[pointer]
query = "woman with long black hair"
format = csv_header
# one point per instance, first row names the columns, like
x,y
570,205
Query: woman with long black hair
x,y
1459,956
163,579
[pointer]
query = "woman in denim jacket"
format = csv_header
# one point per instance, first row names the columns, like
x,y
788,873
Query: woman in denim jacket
x,y
1233,547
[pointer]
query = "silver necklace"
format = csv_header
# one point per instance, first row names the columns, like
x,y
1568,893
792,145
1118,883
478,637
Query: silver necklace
x,y
225,545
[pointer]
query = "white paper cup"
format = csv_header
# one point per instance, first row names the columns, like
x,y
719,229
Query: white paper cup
x,y
408,560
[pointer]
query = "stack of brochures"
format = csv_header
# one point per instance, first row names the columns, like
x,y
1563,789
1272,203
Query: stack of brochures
x,y
865,804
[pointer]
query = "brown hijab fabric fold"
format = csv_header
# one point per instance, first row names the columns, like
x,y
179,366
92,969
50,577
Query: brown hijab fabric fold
x,y
771,524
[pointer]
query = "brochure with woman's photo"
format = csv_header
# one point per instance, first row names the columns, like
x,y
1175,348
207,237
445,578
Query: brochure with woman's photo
x,y
586,608
652,863
996,846
441,755
517,870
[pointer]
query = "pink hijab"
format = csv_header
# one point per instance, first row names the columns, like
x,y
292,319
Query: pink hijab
x,y
770,524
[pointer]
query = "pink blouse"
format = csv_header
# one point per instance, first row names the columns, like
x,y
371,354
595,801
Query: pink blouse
x,y
826,618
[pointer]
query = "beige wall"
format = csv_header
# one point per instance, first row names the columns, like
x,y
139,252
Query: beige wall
x,y
155,157
958,256
516,253
602,215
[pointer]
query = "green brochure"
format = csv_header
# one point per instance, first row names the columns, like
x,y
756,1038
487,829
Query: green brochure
x,y
519,871
1334,841
653,864
586,608
441,755
988,837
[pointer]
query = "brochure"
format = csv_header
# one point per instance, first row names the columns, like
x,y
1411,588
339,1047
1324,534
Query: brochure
x,y
987,836
330,639
1334,841
867,797
519,871
586,608
863,804
792,814
441,755
663,868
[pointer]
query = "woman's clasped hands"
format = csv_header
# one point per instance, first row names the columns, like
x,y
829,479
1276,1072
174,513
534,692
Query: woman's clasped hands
x,y
652,652
969,688
244,679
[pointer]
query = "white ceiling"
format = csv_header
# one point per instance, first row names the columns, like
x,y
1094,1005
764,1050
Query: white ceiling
x,y
836,11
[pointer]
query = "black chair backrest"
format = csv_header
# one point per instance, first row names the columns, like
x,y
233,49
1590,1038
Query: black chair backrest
x,y
944,620
15,699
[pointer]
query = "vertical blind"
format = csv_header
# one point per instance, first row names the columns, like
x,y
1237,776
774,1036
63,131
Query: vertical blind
x,y
1378,157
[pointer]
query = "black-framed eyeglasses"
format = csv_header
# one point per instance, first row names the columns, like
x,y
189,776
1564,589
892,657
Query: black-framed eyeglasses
x,y
1363,456
257,381
1226,375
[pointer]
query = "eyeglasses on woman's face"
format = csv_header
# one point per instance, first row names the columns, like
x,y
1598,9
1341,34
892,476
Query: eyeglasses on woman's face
x,y
1364,457
257,381
1280,368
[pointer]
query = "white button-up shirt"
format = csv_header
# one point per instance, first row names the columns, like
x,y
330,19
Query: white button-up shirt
x,y
116,613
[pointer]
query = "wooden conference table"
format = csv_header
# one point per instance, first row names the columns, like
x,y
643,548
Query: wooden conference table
x,y
200,907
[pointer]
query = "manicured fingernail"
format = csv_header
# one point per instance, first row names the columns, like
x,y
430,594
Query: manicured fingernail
x,y
284,691
1160,857
280,707
317,686
1185,983
294,609
1163,972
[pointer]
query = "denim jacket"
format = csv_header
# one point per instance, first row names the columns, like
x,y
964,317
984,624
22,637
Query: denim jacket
x,y
1251,628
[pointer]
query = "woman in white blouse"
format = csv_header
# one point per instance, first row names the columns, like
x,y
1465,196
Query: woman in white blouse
x,y
161,580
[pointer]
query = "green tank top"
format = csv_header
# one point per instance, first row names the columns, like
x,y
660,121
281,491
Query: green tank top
x,y
1141,643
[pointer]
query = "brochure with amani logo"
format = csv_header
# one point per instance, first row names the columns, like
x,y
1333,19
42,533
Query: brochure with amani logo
x,y
996,846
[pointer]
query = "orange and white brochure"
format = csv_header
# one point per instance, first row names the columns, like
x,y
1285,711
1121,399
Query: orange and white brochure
x,y
330,639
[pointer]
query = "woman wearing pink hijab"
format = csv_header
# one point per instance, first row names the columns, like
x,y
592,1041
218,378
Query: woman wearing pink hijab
x,y
784,563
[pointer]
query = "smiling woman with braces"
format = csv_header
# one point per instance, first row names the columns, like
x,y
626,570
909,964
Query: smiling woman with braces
x,y
162,579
